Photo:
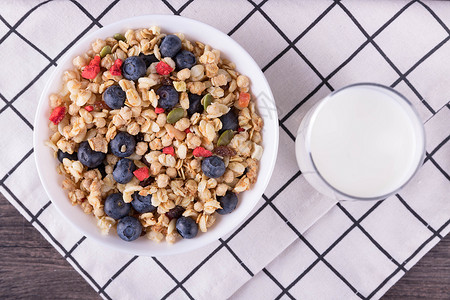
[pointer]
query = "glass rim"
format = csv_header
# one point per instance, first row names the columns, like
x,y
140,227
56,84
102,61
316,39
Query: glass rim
x,y
313,118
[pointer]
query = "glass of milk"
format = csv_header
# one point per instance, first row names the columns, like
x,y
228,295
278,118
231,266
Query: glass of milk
x,y
362,142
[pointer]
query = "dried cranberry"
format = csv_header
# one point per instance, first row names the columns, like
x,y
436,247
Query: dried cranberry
x,y
166,81
147,181
224,151
99,105
175,212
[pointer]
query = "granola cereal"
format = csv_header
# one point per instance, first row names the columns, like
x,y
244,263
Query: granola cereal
x,y
155,134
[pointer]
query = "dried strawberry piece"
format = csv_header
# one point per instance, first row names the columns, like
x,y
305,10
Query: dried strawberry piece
x,y
187,130
163,69
224,151
89,108
240,129
159,110
141,173
201,152
169,150
92,69
57,114
115,69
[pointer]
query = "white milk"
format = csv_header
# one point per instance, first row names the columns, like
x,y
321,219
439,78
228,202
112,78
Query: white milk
x,y
365,141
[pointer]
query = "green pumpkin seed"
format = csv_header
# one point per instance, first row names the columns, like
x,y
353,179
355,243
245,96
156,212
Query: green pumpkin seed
x,y
120,37
225,138
174,115
206,100
105,50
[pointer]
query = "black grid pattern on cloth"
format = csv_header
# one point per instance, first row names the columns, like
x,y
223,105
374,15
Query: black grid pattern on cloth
x,y
95,21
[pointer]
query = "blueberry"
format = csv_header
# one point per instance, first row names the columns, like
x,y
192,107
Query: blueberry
x,y
195,105
61,155
123,171
133,68
114,97
187,227
228,203
175,212
229,121
123,144
170,45
115,207
142,204
213,166
185,59
129,228
89,157
148,59
168,96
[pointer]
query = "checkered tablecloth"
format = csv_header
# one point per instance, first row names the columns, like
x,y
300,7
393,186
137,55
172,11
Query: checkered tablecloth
x,y
296,243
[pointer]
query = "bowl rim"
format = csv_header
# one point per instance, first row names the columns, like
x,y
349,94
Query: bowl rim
x,y
43,103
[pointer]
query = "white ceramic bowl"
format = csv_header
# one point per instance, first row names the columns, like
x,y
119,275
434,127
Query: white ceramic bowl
x,y
194,31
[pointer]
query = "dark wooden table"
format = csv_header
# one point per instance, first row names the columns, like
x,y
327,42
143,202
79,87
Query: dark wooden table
x,y
31,268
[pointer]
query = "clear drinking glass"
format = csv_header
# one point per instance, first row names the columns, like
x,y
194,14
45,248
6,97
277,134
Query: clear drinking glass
x,y
362,142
